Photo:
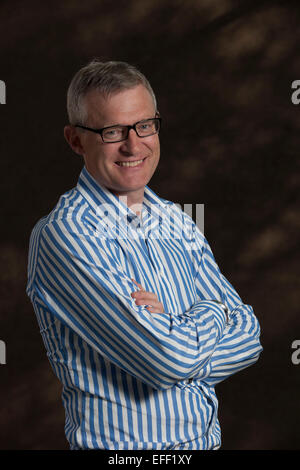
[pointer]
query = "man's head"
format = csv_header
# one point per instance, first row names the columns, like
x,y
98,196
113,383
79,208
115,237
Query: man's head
x,y
107,78
104,94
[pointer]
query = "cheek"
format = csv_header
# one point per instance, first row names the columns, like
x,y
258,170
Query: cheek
x,y
96,161
156,151
154,146
157,144
101,157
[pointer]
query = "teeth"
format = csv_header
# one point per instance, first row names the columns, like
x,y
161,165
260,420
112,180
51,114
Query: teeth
x,y
130,163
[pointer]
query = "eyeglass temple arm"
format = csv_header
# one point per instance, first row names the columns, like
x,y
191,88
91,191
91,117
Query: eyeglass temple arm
x,y
87,128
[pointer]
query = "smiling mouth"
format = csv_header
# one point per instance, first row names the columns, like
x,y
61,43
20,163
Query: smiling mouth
x,y
130,164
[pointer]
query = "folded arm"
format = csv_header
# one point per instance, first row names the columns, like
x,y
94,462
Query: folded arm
x,y
240,344
78,280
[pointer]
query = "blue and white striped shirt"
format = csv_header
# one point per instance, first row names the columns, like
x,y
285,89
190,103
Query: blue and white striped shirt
x,y
133,379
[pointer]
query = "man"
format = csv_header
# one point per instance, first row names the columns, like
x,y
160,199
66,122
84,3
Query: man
x,y
138,322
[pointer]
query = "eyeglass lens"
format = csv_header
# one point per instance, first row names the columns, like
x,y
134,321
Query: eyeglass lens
x,y
143,129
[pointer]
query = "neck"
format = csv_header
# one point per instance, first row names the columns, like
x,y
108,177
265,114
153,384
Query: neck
x,y
133,200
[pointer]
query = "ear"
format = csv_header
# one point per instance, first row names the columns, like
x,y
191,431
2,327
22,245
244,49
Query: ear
x,y
74,139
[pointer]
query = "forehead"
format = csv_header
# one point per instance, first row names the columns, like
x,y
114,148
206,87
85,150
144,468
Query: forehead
x,y
126,106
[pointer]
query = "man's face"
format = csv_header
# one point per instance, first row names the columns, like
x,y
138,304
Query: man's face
x,y
101,159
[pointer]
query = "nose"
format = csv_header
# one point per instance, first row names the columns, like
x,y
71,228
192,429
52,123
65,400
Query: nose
x,y
131,144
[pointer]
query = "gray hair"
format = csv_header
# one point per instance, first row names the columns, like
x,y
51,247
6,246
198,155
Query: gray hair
x,y
106,77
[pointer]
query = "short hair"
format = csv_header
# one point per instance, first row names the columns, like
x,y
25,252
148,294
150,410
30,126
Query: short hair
x,y
106,77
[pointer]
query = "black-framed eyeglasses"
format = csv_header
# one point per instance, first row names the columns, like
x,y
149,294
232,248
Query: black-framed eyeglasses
x,y
117,133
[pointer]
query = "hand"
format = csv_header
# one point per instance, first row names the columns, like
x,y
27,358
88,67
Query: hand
x,y
150,299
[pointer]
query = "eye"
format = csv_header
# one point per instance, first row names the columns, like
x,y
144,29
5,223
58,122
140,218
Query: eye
x,y
112,132
145,127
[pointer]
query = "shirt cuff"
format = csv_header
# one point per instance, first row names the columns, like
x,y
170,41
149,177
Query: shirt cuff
x,y
225,308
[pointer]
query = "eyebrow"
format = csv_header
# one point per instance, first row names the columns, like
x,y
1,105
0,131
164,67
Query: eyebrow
x,y
119,124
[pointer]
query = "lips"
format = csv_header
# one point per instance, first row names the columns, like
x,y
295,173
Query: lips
x,y
130,164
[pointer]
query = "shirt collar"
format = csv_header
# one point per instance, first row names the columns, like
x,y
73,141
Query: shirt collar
x,y
101,199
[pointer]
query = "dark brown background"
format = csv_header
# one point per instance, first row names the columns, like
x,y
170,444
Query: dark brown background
x,y
222,71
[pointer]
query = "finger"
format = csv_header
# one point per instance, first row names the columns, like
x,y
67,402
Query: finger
x,y
149,302
155,309
143,295
155,304
146,300
139,285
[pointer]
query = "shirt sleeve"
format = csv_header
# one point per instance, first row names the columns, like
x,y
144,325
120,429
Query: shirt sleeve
x,y
79,281
239,348
240,344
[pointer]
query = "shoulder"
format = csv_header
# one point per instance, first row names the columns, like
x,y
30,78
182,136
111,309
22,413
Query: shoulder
x,y
71,216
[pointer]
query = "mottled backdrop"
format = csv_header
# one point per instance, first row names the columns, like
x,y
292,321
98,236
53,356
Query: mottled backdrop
x,y
222,71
